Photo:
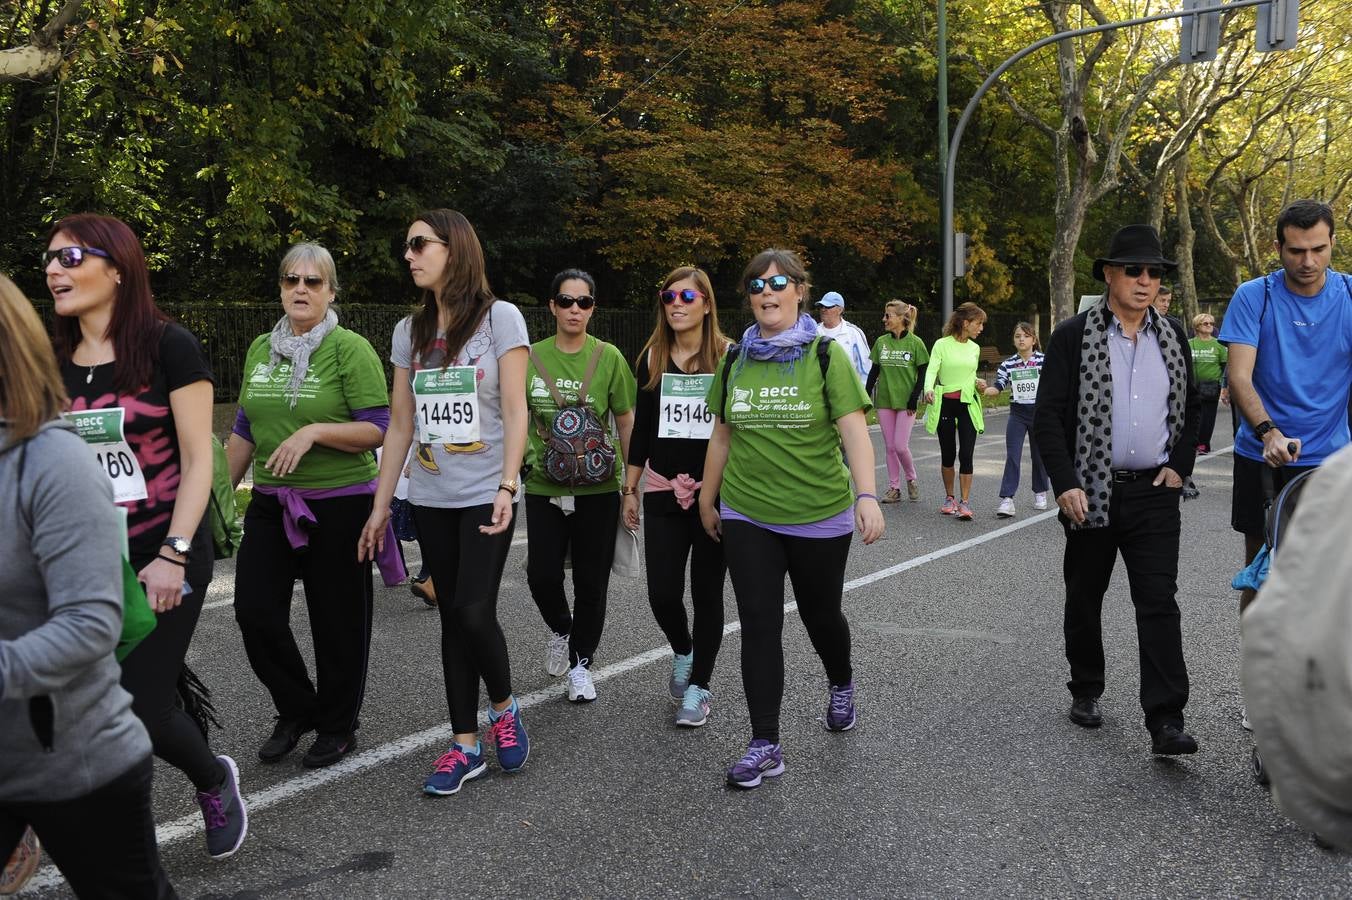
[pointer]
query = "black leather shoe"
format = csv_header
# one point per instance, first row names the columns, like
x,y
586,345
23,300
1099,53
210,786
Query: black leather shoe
x,y
1084,711
1170,740
328,749
285,736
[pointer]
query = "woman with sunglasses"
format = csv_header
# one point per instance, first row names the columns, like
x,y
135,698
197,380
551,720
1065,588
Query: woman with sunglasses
x,y
312,409
956,413
574,518
777,495
141,392
899,361
672,425
460,392
1209,358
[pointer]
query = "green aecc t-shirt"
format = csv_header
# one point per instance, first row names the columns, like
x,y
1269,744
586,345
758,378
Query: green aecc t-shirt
x,y
344,375
784,464
1208,359
900,359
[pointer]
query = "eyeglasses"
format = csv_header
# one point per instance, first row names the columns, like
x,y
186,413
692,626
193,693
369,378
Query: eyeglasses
x,y
563,301
1134,271
70,257
1208,324
687,296
777,283
419,242
291,280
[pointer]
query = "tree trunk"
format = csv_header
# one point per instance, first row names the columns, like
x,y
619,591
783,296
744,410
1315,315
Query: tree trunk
x,y
41,57
1187,238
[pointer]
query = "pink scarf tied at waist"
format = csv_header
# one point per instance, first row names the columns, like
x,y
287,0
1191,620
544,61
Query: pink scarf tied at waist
x,y
683,486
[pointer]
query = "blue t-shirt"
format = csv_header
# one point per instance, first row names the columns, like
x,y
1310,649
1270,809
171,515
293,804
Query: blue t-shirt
x,y
1303,371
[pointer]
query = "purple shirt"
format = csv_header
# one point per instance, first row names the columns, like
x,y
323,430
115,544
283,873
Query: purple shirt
x,y
378,416
842,523
1140,396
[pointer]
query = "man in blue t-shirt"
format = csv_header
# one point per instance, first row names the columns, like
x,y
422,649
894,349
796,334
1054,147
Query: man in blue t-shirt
x,y
1290,343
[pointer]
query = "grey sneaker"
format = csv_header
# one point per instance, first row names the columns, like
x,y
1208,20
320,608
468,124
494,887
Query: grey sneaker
x,y
556,654
223,810
694,710
681,665
891,495
912,491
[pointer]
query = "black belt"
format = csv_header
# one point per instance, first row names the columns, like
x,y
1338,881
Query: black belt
x,y
1124,476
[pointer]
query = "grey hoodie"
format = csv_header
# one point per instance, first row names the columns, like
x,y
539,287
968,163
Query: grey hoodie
x,y
66,725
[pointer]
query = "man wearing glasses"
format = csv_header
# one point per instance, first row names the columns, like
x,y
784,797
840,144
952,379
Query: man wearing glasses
x,y
1116,423
1289,336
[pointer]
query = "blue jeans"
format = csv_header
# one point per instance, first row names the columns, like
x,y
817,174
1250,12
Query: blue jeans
x,y
1020,424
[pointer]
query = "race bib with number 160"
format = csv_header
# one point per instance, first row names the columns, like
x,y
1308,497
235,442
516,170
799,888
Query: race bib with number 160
x,y
101,429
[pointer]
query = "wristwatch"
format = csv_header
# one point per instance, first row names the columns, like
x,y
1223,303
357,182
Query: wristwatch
x,y
510,486
1263,428
179,545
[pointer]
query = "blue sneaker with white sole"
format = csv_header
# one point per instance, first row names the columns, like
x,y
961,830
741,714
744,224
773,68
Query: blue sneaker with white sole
x,y
507,734
453,768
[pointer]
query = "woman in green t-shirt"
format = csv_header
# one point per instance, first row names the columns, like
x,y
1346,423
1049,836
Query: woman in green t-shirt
x,y
957,419
899,362
1209,357
777,494
312,409
577,514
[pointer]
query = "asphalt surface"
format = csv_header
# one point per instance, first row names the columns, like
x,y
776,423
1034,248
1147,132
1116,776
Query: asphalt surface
x,y
963,778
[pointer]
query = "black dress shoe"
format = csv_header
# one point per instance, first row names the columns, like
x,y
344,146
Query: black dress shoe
x,y
285,736
328,749
1084,711
1170,740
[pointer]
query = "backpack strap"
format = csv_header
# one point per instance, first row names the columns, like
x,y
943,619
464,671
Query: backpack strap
x,y
728,359
591,371
824,360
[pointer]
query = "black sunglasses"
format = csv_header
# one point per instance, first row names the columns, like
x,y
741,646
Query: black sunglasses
x,y
687,296
563,301
70,257
311,281
777,283
419,241
1134,271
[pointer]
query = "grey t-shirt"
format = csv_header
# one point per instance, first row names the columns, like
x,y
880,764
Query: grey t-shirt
x,y
453,476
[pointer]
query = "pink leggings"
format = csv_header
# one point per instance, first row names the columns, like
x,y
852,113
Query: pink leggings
x,y
897,424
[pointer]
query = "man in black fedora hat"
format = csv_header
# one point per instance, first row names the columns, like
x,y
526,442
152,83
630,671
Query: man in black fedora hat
x,y
1116,420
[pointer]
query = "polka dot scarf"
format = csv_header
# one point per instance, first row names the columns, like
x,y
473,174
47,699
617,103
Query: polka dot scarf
x,y
1094,438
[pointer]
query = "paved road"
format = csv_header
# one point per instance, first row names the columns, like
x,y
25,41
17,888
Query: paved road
x,y
964,776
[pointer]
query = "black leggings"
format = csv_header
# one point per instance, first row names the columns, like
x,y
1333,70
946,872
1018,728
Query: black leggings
x,y
757,561
103,842
957,435
337,597
590,534
1208,422
670,536
150,674
466,567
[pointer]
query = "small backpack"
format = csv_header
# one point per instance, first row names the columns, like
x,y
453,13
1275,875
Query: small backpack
x,y
578,451
226,531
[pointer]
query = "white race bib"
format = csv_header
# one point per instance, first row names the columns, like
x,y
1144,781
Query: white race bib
x,y
102,431
446,405
681,410
1023,384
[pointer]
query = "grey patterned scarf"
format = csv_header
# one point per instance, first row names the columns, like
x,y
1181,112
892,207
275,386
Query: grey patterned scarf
x,y
1094,441
284,344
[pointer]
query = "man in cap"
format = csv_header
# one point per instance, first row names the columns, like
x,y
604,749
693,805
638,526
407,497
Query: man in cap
x,y
850,337
1116,422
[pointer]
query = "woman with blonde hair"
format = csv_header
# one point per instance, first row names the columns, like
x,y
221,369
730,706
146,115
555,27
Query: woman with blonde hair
x,y
953,394
672,425
899,363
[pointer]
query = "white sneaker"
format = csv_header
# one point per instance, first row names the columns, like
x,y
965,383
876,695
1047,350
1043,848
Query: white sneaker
x,y
556,654
1244,718
580,686
1040,500
1006,508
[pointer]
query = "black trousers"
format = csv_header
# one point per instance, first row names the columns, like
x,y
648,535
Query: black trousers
x,y
1144,526
150,674
589,533
103,842
1208,422
957,435
758,560
466,567
672,535
337,597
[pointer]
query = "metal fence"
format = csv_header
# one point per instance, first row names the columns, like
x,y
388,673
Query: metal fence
x,y
227,331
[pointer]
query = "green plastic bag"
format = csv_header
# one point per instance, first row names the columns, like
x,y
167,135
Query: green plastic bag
x,y
226,531
138,619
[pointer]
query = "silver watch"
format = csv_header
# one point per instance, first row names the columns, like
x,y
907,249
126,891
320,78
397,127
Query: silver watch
x,y
179,545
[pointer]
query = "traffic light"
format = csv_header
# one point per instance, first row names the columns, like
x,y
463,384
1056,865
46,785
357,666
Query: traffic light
x,y
1278,24
1201,33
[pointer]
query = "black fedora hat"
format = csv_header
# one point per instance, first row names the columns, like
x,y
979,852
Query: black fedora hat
x,y
1133,244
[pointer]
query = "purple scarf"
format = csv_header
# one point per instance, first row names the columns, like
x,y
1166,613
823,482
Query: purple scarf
x,y
786,347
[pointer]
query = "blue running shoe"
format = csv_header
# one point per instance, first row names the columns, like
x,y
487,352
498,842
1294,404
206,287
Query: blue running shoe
x,y
507,734
453,769
681,664
694,710
840,708
762,760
